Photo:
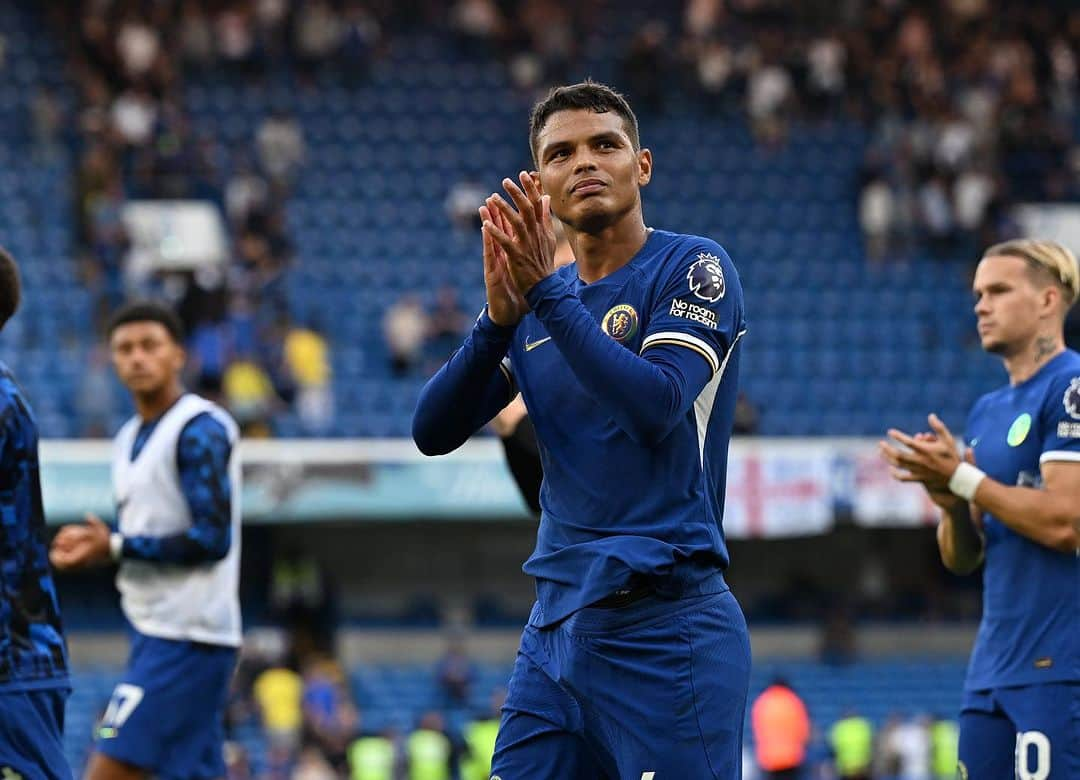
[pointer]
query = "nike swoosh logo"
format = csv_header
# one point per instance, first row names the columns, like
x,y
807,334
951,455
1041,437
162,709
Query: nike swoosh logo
x,y
530,346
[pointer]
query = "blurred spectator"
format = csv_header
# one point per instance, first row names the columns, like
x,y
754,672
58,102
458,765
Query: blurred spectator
x,y
702,17
375,757
455,674
246,194
405,328
826,60
137,45
330,719
477,24
935,212
972,193
278,692
196,35
430,752
446,323
768,101
876,209
360,39
308,362
553,36
462,204
303,600
280,143
480,736
781,728
644,69
317,33
249,395
908,745
715,71
945,742
746,416
235,36
886,757
851,740
134,113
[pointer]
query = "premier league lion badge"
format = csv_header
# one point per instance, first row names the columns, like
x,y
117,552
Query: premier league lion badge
x,y
1072,399
706,278
620,322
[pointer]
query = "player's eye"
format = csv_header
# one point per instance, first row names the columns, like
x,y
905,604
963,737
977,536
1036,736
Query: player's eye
x,y
607,144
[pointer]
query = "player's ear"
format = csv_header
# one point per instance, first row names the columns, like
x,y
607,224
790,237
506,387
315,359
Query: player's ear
x,y
644,167
1051,298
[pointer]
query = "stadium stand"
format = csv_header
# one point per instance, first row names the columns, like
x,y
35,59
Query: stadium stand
x,y
368,224
838,343
396,696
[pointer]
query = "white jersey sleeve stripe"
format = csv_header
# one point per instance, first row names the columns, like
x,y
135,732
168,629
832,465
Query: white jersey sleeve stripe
x,y
686,340
1054,455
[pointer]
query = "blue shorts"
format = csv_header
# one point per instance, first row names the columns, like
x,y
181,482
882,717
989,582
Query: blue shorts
x,y
1030,732
32,734
656,689
167,715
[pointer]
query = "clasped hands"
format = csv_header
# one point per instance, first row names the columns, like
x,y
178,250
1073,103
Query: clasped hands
x,y
519,247
929,459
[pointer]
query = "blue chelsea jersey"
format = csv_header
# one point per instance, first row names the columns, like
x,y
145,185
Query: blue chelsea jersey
x,y
1030,629
616,510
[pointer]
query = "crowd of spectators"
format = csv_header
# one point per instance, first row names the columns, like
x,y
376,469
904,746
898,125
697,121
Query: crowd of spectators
x,y
969,107
787,743
311,720
135,142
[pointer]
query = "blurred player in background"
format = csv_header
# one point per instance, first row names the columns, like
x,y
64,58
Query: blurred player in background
x,y
33,657
177,486
635,662
1018,510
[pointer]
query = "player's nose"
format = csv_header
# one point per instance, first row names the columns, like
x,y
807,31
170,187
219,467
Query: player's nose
x,y
584,162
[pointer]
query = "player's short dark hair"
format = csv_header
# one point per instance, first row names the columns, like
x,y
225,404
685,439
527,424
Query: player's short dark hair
x,y
10,287
148,311
589,96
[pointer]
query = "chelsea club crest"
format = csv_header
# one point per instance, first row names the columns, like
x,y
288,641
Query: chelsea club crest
x,y
620,322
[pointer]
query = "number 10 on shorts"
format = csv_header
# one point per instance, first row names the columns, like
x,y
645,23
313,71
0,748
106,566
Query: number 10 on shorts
x,y
1025,742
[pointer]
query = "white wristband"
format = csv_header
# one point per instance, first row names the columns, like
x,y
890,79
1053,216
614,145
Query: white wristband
x,y
965,481
116,545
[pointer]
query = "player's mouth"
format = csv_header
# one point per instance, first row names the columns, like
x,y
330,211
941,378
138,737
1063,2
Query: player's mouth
x,y
587,187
